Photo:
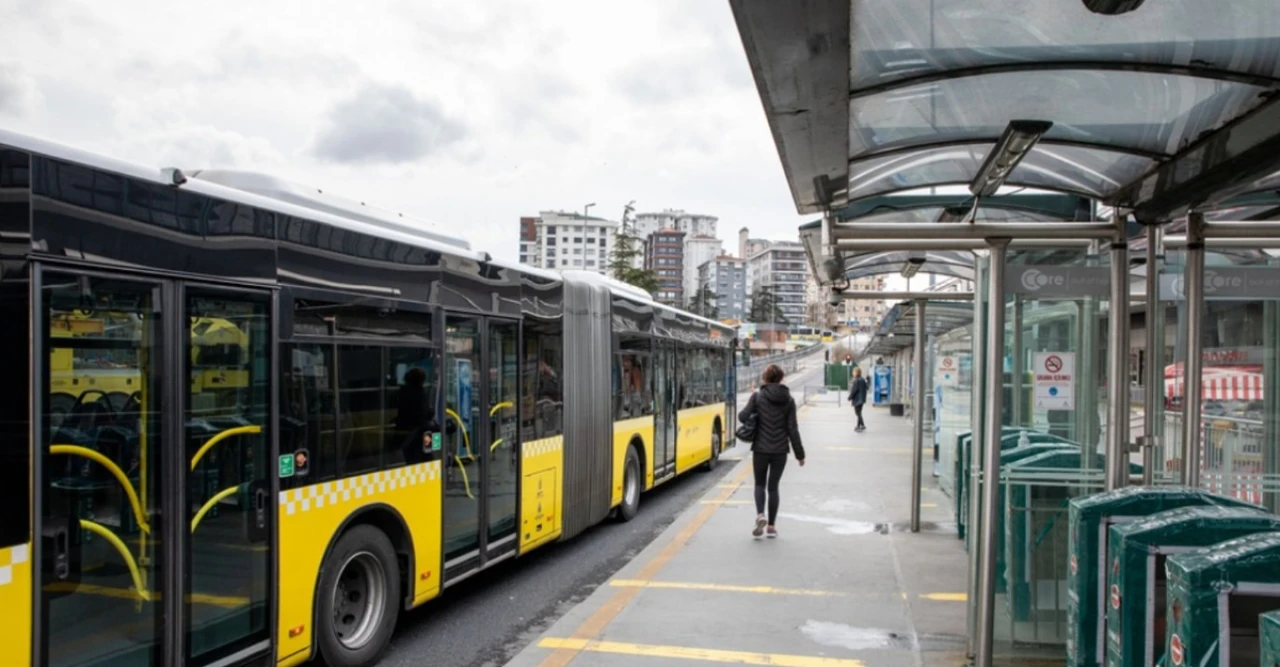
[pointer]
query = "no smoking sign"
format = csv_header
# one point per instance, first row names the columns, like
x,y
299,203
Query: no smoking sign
x,y
1055,380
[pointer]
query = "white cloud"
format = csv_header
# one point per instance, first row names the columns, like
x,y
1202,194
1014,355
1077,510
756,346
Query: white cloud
x,y
19,95
470,114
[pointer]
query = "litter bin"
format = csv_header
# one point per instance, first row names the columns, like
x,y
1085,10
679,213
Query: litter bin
x,y
1013,437
1216,595
1269,634
1136,587
1037,526
1090,519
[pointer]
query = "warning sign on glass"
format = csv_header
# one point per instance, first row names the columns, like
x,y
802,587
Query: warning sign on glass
x,y
1055,375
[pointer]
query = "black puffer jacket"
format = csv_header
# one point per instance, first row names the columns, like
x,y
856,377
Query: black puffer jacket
x,y
776,426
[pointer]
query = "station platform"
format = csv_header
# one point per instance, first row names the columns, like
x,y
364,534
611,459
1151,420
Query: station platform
x,y
845,584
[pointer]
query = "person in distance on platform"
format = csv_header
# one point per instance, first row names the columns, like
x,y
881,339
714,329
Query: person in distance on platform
x,y
777,435
858,397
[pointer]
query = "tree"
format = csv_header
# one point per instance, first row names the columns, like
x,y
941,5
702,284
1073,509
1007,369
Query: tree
x,y
764,308
703,303
622,259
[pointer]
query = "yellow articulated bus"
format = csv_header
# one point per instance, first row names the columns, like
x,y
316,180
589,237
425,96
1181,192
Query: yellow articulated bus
x,y
260,422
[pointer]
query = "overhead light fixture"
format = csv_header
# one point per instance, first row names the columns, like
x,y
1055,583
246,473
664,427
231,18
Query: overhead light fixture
x,y
912,267
1013,145
954,214
1112,7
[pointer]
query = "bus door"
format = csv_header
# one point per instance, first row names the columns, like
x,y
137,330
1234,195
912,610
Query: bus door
x,y
481,449
155,486
665,393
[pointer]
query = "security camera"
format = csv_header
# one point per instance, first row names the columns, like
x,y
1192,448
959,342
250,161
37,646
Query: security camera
x,y
835,298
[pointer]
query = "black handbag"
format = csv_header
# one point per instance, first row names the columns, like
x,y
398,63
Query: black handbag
x,y
747,429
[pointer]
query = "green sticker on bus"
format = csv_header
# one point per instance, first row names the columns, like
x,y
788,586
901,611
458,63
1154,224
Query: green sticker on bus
x,y
435,442
286,465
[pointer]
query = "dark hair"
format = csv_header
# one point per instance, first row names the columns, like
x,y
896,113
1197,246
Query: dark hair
x,y
773,374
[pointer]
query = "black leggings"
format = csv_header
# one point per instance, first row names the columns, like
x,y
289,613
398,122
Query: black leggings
x,y
858,410
768,467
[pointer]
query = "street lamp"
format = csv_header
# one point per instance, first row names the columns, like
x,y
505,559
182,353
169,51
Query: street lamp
x,y
584,208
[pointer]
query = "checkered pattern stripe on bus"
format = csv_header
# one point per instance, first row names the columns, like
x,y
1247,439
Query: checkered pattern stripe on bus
x,y
537,448
10,558
357,488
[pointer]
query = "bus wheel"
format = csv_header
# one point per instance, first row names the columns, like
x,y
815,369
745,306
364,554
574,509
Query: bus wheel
x,y
716,444
359,598
630,486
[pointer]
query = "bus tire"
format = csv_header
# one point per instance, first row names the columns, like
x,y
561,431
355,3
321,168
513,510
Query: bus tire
x,y
630,486
358,599
717,444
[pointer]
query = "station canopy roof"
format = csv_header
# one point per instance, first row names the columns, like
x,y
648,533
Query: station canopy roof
x,y
1166,108
897,330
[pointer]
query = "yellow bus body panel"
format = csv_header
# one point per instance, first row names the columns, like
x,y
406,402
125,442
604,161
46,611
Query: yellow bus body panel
x,y
623,432
15,599
310,516
693,444
542,491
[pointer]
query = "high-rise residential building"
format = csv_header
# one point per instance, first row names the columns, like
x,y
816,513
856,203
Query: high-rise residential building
x,y
863,315
692,224
569,241
780,270
529,241
664,255
818,309
698,250
726,279
749,247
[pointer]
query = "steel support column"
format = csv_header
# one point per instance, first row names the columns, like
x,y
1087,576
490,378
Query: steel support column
x,y
1117,468
976,440
917,409
991,451
1153,376
1018,369
1192,367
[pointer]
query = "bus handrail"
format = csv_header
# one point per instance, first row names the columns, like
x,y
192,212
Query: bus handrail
x,y
223,435
208,505
97,457
111,538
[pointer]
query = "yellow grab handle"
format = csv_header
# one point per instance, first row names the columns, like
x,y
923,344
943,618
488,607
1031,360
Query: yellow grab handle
x,y
238,430
97,457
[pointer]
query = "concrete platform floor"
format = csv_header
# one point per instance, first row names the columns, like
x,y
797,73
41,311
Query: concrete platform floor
x,y
845,584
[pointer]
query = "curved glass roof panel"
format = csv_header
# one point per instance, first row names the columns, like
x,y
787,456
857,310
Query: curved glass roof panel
x,y
1122,110
1075,169
931,213
902,39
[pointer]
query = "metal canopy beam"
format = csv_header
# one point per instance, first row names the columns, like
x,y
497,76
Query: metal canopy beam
x,y
907,296
889,245
1209,171
971,231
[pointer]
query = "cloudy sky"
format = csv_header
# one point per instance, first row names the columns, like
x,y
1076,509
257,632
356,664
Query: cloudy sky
x,y
470,114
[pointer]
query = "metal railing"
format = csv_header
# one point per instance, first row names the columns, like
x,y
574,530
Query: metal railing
x,y
1231,459
749,376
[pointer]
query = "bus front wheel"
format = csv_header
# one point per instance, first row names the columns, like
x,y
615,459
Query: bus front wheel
x,y
359,598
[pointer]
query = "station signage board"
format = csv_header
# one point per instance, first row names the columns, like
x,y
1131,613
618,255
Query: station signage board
x,y
1055,377
1058,281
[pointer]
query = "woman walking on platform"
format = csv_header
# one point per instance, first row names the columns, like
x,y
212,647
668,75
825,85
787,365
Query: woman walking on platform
x,y
858,397
777,434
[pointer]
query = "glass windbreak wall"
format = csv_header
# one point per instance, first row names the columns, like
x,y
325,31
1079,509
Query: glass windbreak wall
x,y
1239,418
1053,430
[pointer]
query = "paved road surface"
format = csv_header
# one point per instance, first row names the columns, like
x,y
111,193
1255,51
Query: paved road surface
x,y
489,618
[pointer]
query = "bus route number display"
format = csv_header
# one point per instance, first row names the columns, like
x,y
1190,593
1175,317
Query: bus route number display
x,y
1055,375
